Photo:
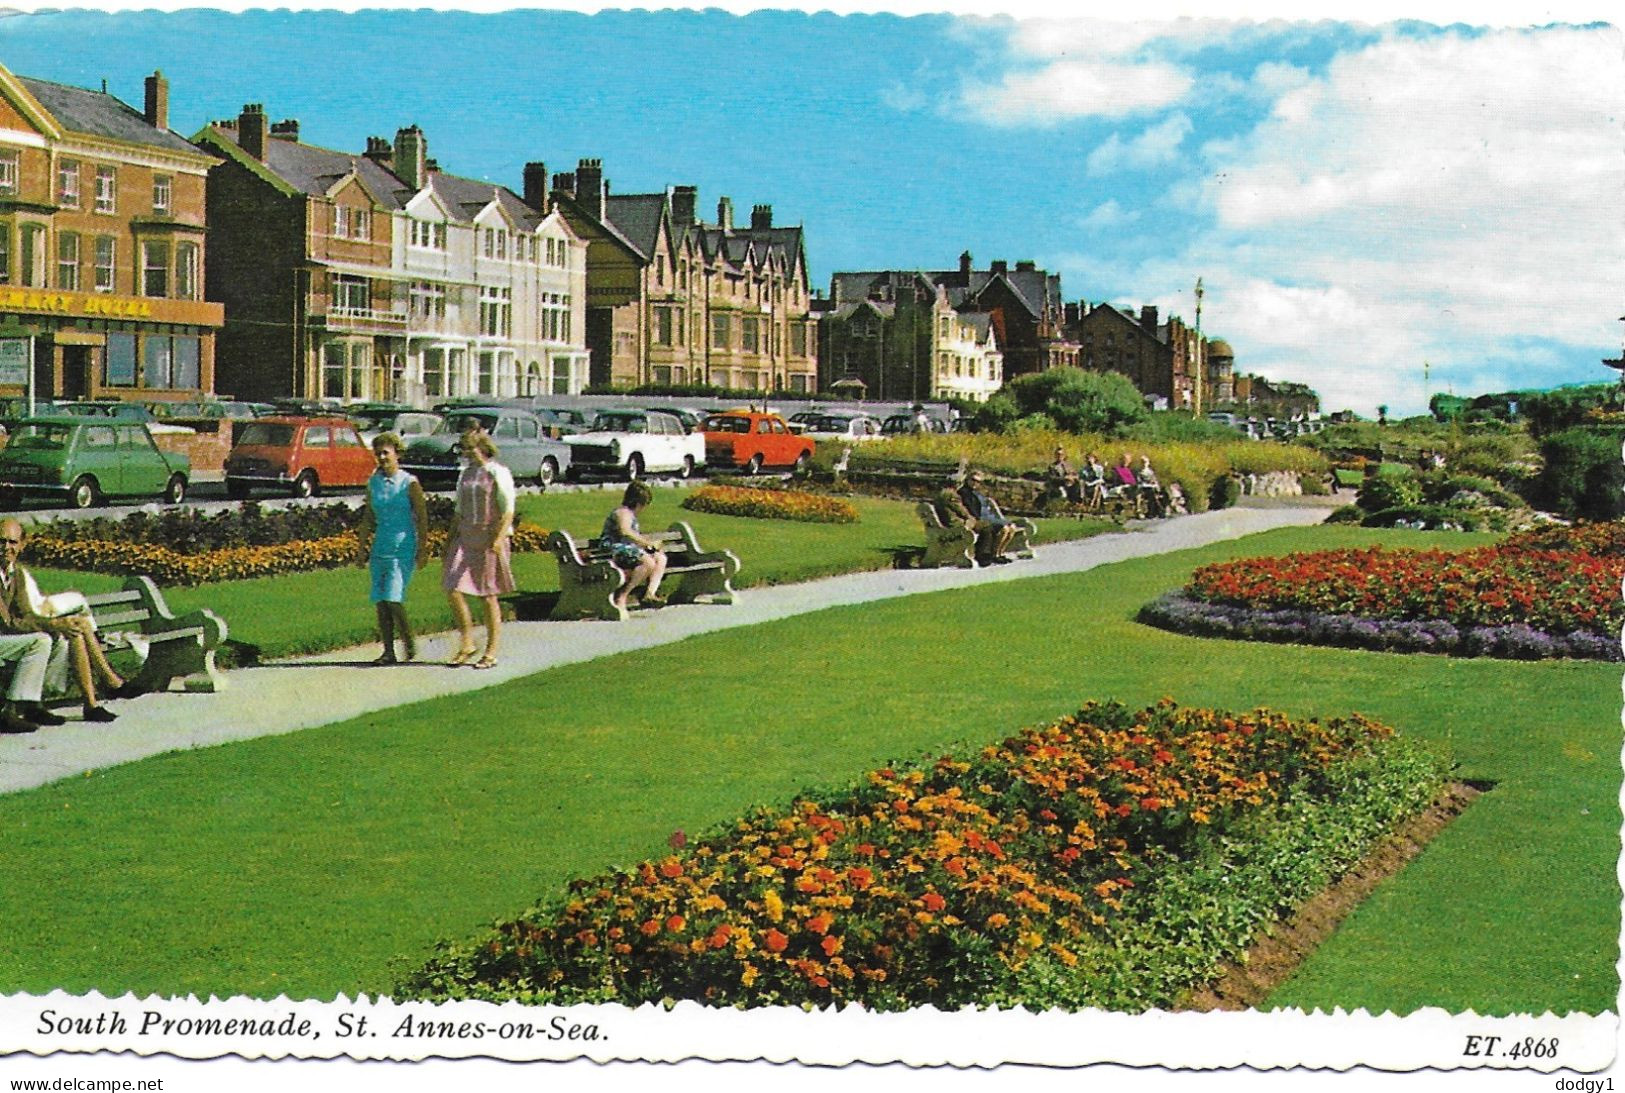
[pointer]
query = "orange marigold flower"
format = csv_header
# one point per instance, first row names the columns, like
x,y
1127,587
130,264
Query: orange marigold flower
x,y
998,920
719,936
671,867
1150,804
956,866
651,927
831,945
676,923
933,902
774,941
860,878
821,922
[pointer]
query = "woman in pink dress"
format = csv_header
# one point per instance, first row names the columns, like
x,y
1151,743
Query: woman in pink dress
x,y
477,552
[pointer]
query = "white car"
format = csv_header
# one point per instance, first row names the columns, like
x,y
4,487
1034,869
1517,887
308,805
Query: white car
x,y
844,426
632,443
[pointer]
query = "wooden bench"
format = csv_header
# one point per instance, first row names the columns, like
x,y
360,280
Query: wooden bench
x,y
168,647
589,579
955,545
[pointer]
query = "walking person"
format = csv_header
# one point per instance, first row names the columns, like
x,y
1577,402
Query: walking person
x,y
396,519
643,558
476,561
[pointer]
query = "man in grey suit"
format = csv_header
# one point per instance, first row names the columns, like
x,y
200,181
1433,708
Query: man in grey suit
x,y
22,645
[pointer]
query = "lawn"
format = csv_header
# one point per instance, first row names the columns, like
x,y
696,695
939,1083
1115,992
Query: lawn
x,y
329,860
314,611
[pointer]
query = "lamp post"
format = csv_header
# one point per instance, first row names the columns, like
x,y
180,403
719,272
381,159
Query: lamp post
x,y
1618,364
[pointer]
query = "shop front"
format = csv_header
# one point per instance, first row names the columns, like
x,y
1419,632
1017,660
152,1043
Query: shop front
x,y
93,345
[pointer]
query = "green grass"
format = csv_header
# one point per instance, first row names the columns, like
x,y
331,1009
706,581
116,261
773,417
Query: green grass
x,y
294,613
328,860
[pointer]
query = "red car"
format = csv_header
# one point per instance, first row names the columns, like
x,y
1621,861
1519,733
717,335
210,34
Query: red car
x,y
753,440
297,455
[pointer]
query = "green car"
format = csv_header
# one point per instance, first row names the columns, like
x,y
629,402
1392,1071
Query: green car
x,y
81,460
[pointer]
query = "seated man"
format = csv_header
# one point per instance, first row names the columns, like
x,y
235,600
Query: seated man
x,y
1061,481
993,531
1092,481
23,647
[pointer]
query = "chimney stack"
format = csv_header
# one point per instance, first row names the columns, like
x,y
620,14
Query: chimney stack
x,y
1026,266
286,129
1148,318
536,186
725,214
684,201
411,157
381,152
1000,266
157,112
964,263
565,183
590,187
252,130
761,217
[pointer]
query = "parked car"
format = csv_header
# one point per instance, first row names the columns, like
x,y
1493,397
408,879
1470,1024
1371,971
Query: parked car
x,y
80,460
904,424
803,420
557,423
567,415
753,440
692,421
522,442
633,442
844,426
403,421
300,456
124,411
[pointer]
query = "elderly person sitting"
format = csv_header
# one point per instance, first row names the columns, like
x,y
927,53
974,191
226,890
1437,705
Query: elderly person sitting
x,y
1061,481
1150,490
993,532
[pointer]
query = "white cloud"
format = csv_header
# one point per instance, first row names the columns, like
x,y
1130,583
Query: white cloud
x,y
1078,88
1155,146
1108,214
1450,198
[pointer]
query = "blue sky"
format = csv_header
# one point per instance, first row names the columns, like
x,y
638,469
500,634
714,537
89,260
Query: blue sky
x,y
1358,199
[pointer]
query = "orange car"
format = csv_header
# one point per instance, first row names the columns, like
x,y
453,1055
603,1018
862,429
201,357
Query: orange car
x,y
753,440
299,456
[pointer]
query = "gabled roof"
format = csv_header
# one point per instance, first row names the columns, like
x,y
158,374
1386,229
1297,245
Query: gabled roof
x,y
637,217
98,114
467,198
313,171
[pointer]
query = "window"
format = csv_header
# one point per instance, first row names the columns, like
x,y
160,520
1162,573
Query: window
x,y
106,189
8,172
106,262
496,312
67,261
160,193
33,255
487,370
749,332
490,242
427,301
120,365
186,271
502,244
664,326
154,268
721,331
341,221
155,362
351,294
67,183
561,375
430,234
5,252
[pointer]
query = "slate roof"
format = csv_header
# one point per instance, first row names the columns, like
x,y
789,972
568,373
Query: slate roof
x,y
313,170
1033,288
465,197
637,218
99,114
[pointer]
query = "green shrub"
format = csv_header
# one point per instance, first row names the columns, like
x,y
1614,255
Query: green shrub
x,y
1389,491
1224,492
1583,477
1432,518
1177,427
1348,514
1079,401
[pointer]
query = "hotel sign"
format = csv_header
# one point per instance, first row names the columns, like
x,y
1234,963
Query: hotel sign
x,y
87,305
14,361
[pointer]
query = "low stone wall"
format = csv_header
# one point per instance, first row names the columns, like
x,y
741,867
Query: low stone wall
x,y
1272,484
206,448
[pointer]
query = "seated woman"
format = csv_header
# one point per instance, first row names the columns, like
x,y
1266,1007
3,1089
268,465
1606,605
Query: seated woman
x,y
1092,482
1150,489
1061,482
66,617
644,558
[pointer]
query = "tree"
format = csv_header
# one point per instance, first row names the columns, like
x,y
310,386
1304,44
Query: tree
x,y
1078,401
1382,414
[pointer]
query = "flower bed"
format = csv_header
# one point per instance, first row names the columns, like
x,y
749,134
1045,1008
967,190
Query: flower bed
x,y
771,504
187,546
1005,878
1547,593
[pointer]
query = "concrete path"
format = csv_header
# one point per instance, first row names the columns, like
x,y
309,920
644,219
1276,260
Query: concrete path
x,y
286,696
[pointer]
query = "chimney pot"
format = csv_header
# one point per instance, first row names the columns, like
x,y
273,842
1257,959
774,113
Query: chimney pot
x,y
590,188
1148,318
725,214
411,157
536,185
252,130
964,263
286,129
1000,266
761,217
1026,266
684,201
157,112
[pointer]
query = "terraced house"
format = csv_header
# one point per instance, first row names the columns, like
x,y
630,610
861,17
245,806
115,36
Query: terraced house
x,y
379,276
1167,361
102,246
673,299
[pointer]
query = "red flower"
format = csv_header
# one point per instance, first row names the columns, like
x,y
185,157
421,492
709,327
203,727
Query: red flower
x,y
933,902
774,941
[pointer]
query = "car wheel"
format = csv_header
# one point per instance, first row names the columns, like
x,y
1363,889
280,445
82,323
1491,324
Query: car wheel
x,y
548,473
175,492
801,462
306,485
634,467
754,466
687,469
236,490
83,492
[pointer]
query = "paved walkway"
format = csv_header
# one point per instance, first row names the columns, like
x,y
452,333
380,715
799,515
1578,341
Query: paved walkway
x,y
286,696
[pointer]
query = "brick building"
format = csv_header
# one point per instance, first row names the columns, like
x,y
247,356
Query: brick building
x,y
379,276
675,300
102,245
1167,361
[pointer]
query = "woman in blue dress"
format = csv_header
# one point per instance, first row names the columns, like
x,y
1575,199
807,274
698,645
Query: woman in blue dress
x,y
397,520
642,558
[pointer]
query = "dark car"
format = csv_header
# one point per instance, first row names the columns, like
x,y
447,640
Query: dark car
x,y
81,460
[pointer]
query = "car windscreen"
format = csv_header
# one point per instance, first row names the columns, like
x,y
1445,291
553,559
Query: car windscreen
x,y
620,423
40,437
266,434
727,423
458,424
374,419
